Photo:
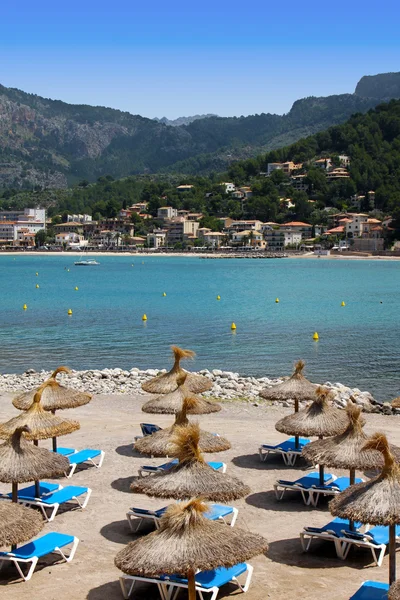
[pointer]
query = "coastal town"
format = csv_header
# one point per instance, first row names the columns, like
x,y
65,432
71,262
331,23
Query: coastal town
x,y
171,228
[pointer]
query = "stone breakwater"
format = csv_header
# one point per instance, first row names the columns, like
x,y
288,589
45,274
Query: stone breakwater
x,y
226,386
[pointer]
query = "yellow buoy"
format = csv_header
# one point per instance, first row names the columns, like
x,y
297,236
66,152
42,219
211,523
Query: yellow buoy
x,y
37,274
67,270
25,307
69,311
315,337
343,304
233,326
142,263
144,318
37,285
164,294
277,300
76,288
218,297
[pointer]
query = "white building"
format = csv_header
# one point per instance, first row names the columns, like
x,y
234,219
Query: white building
x,y
157,238
214,238
166,212
228,187
71,240
254,225
79,218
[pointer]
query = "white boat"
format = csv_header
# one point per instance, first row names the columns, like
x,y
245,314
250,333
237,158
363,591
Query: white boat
x,y
86,263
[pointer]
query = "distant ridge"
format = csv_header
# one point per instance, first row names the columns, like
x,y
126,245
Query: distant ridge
x,y
183,120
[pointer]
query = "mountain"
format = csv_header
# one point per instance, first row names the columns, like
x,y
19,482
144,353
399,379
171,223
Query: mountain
x,y
183,120
49,143
386,85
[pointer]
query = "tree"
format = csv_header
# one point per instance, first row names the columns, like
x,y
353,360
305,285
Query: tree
x,y
40,238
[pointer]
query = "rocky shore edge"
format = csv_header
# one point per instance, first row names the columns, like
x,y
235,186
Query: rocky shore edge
x,y
226,386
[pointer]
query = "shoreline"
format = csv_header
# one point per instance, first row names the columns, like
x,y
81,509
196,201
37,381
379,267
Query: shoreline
x,y
210,255
226,385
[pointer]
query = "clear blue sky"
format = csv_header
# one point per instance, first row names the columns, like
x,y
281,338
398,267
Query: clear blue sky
x,y
175,57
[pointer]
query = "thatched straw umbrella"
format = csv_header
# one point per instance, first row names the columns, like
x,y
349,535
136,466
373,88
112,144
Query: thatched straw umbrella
x,y
345,451
18,524
396,403
185,542
318,419
21,462
394,591
164,384
159,443
55,396
191,476
42,424
296,388
376,501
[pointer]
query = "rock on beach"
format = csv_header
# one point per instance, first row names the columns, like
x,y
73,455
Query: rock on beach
x,y
227,385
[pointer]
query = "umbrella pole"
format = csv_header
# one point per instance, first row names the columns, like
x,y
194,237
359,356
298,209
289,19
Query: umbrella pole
x,y
54,444
352,480
296,437
191,585
392,554
37,489
14,495
35,443
321,475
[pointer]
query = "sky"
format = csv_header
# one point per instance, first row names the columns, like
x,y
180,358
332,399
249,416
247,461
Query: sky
x,y
178,58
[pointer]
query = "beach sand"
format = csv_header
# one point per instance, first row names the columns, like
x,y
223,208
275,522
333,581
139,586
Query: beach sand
x,y
111,422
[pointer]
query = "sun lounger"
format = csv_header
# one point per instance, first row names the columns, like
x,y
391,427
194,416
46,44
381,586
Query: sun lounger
x,y
147,429
47,544
210,582
44,489
286,449
376,540
207,582
148,469
304,485
331,532
53,500
137,516
85,456
371,590
331,489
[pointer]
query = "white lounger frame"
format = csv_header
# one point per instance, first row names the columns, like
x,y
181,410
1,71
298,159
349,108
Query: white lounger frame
x,y
306,537
377,550
97,464
289,458
170,590
34,560
315,493
54,507
143,473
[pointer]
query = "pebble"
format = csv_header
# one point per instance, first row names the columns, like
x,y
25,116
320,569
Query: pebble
x,y
226,385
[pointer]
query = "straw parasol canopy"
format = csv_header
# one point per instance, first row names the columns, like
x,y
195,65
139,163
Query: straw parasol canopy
x,y
396,402
21,461
186,541
55,396
18,524
296,388
42,424
318,419
345,451
191,476
171,403
376,501
394,591
164,384
159,443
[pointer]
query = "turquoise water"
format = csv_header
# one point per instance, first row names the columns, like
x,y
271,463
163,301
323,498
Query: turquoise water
x,y
359,344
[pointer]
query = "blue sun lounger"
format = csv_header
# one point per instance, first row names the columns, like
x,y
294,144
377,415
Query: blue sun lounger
x,y
147,429
66,451
31,552
207,582
376,540
85,456
304,485
331,489
148,469
331,532
371,590
44,489
286,449
137,516
51,501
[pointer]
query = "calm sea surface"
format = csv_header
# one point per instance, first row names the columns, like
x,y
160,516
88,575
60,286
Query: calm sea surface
x,y
359,344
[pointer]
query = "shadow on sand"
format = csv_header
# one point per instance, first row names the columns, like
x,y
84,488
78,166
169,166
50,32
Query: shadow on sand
x,y
126,450
120,533
122,484
274,462
112,591
293,502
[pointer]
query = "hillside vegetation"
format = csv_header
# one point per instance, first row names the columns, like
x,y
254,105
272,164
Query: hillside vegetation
x,y
49,143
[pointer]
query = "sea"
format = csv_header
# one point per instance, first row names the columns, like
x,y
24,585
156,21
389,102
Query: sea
x,y
359,343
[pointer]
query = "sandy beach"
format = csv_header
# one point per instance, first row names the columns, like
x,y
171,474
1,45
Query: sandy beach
x,y
110,422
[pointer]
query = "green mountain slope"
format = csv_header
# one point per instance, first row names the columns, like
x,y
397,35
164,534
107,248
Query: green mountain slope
x,y
48,143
